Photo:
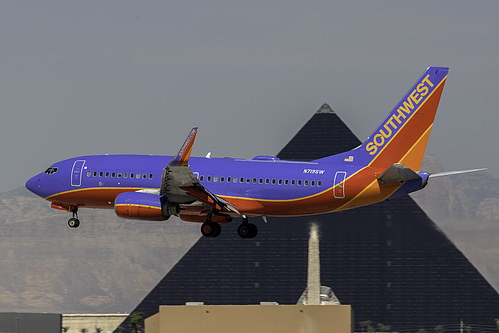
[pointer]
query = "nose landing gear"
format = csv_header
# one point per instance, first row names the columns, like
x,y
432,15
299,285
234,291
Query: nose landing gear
x,y
74,222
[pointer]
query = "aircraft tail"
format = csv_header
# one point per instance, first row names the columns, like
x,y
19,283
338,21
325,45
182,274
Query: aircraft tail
x,y
404,133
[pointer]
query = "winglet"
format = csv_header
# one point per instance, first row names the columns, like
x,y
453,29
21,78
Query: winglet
x,y
182,157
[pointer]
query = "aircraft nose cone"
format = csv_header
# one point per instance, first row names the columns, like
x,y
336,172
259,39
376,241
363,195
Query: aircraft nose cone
x,y
33,184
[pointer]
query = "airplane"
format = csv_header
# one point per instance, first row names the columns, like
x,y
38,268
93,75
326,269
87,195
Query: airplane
x,y
213,191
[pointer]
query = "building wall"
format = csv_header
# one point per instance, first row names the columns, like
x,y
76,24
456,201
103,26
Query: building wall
x,y
251,318
30,322
107,322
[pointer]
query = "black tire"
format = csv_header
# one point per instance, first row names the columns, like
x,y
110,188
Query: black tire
x,y
243,230
73,222
218,230
247,230
211,229
253,230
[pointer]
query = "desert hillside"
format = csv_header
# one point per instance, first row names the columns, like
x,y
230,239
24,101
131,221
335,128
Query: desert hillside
x,y
106,265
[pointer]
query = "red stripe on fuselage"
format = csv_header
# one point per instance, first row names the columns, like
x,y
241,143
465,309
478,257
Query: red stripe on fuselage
x,y
91,197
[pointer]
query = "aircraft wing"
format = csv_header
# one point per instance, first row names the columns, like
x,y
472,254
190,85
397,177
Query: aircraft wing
x,y
202,194
180,185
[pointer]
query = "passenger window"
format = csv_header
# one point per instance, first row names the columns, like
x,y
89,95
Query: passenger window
x,y
299,182
306,182
119,174
89,173
222,179
101,174
286,181
248,180
150,176
319,183
234,179
241,180
312,183
254,180
125,175
209,178
267,181
107,174
215,179
95,173
280,182
113,175
144,176
137,175
273,181
260,181
292,182
201,178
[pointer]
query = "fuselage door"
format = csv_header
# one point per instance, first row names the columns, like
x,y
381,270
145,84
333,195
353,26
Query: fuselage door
x,y
77,172
339,185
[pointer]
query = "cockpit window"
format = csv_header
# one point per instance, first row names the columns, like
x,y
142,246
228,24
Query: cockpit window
x,y
50,171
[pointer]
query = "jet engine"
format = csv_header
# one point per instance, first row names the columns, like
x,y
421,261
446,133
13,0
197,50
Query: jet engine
x,y
144,206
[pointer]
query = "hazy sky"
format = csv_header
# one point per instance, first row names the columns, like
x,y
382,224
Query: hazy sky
x,y
96,77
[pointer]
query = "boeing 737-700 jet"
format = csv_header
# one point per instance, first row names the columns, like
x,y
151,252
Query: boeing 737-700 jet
x,y
213,191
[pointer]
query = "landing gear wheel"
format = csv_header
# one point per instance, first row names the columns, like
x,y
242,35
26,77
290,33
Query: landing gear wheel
x,y
247,230
211,229
74,222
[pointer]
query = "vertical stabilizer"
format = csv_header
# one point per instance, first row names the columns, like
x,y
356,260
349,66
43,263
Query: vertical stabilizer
x,y
404,133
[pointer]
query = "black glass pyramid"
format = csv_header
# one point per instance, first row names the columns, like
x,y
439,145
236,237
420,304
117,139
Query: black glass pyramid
x,y
389,261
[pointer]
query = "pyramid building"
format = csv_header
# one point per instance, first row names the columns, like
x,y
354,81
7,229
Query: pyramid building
x,y
389,260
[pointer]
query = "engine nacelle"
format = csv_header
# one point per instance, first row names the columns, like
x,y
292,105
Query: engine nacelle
x,y
143,206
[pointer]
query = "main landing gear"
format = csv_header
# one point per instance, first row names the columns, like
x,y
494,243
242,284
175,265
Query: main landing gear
x,y
247,230
74,222
213,229
210,228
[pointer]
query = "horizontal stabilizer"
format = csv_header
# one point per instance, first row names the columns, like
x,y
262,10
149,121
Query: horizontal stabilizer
x,y
398,172
450,173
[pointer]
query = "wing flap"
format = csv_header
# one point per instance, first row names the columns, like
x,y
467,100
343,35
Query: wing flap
x,y
199,192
